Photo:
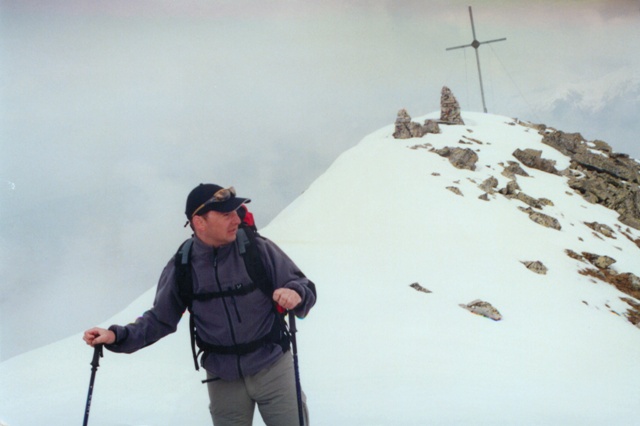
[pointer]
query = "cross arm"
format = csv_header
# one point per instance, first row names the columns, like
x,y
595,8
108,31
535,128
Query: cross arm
x,y
459,47
491,41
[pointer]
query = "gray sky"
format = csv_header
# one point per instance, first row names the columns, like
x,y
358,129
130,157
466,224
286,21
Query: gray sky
x,y
110,112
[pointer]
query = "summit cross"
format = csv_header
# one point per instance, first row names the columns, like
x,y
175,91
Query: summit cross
x,y
475,44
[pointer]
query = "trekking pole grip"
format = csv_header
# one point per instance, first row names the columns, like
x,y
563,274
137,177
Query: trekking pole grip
x,y
97,354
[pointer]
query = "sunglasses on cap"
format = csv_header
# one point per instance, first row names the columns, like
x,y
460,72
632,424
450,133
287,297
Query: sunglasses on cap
x,y
220,196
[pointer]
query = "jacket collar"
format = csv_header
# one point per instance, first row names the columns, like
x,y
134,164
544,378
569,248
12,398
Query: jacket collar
x,y
200,248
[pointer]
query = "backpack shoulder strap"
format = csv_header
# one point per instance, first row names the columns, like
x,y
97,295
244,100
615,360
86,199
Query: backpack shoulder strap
x,y
246,238
184,281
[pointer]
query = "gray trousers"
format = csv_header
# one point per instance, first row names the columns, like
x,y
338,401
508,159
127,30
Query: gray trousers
x,y
273,389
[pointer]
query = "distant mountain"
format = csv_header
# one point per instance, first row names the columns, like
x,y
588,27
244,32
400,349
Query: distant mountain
x,y
484,273
606,108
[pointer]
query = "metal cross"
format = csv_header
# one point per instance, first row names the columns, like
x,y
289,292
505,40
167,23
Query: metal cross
x,y
475,44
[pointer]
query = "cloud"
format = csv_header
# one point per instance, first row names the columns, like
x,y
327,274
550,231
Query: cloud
x,y
613,119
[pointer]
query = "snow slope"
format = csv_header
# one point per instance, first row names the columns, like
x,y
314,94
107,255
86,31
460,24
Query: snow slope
x,y
376,352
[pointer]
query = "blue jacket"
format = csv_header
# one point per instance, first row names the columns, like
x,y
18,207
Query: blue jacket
x,y
220,321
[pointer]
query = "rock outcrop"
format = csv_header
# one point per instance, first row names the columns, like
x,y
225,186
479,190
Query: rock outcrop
x,y
489,185
601,229
542,219
512,169
461,158
600,175
626,282
533,158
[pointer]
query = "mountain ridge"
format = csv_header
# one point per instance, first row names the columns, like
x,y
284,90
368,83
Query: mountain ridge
x,y
491,180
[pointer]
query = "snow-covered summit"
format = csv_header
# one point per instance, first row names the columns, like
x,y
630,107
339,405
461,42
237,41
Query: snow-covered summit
x,y
389,214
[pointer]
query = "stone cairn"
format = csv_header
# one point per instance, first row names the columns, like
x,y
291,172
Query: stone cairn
x,y
449,107
407,129
449,114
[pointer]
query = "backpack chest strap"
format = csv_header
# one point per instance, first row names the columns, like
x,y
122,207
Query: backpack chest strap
x,y
236,290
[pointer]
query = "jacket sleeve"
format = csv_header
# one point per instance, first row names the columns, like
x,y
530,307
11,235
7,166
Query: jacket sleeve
x,y
284,273
162,319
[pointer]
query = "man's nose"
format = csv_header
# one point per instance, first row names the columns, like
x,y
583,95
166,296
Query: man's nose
x,y
236,217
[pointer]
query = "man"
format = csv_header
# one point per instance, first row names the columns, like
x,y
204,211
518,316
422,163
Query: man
x,y
246,362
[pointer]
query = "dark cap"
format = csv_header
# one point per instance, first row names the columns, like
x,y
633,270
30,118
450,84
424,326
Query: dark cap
x,y
203,199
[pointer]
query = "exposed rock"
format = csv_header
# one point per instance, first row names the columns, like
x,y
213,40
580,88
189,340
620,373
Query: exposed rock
x,y
566,143
418,287
536,266
572,254
633,314
484,197
455,190
629,279
610,165
602,229
402,130
406,129
630,237
601,262
529,200
467,138
461,158
511,189
449,107
489,184
625,282
542,219
484,309
629,209
600,175
514,169
533,158
416,130
540,128
430,126
602,188
602,146
421,146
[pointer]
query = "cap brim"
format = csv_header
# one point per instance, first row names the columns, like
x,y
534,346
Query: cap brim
x,y
226,206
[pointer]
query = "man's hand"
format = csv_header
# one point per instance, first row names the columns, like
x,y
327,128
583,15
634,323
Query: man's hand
x,y
99,336
287,298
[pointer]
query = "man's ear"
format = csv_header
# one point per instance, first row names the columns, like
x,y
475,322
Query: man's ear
x,y
197,222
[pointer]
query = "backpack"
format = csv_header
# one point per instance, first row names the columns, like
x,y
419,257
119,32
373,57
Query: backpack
x,y
246,240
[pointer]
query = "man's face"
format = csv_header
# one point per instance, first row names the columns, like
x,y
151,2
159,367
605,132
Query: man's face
x,y
217,229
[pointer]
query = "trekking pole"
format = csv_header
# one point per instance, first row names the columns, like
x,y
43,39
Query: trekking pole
x,y
292,330
95,363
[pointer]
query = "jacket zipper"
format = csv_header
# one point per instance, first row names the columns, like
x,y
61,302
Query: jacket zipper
x,y
235,306
226,309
